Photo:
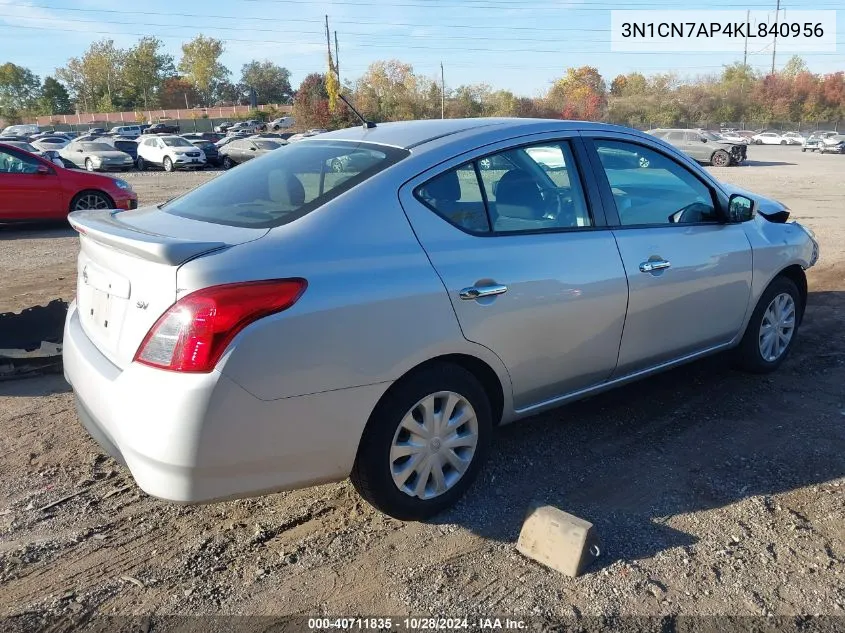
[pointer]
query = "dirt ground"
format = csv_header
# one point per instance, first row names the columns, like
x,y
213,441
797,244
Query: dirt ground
x,y
714,492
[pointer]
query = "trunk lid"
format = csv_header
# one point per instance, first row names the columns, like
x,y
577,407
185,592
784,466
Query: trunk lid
x,y
126,271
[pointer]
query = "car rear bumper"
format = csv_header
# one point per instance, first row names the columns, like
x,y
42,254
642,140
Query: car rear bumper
x,y
193,438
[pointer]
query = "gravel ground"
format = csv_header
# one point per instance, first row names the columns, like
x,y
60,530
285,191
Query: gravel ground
x,y
715,492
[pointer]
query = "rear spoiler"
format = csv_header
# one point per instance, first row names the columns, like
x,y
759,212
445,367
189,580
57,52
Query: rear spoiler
x,y
104,228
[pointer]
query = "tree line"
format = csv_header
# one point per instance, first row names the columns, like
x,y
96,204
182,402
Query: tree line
x,y
107,78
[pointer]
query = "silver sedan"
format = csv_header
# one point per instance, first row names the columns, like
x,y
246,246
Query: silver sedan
x,y
95,156
287,323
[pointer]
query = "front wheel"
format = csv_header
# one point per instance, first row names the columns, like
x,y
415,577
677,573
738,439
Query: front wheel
x,y
720,158
168,164
89,164
783,142
772,327
91,200
140,164
424,444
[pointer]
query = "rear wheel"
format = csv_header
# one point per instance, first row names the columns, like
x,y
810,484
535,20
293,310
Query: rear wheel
x,y
140,164
783,142
337,166
424,444
168,164
228,163
720,158
91,200
772,327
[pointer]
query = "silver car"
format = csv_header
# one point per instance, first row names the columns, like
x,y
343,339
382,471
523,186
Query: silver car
x,y
286,324
95,156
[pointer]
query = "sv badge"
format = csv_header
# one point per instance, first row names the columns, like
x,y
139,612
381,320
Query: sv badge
x,y
142,305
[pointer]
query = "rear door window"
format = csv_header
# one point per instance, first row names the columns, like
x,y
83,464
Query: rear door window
x,y
282,185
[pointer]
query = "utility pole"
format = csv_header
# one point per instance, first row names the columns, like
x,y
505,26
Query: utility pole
x,y
442,93
775,44
336,59
747,26
329,39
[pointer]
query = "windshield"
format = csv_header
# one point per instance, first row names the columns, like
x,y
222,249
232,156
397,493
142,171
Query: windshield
x,y
283,185
267,144
97,147
710,136
176,142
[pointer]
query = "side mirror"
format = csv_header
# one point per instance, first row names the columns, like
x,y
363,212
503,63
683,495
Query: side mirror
x,y
703,139
740,208
79,150
252,149
43,170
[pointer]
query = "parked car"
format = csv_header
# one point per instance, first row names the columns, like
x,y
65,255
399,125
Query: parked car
x,y
226,140
282,123
794,138
128,131
244,149
814,141
32,189
163,128
704,146
211,137
170,153
301,135
51,142
833,144
96,131
769,138
47,154
96,155
223,127
21,129
250,307
734,137
242,127
209,149
273,136
125,145
13,137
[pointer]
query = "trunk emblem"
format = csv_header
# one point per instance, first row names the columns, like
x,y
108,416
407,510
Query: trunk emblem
x,y
143,305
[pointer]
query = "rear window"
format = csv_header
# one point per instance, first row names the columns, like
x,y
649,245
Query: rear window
x,y
125,145
283,185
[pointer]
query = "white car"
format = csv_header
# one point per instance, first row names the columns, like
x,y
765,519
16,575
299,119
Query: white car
x,y
769,138
794,138
733,137
127,131
282,123
55,143
170,153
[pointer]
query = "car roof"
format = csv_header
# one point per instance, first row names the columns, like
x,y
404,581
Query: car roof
x,y
411,134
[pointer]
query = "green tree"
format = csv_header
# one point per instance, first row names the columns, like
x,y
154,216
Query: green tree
x,y
54,98
200,64
271,82
145,68
794,67
20,90
95,79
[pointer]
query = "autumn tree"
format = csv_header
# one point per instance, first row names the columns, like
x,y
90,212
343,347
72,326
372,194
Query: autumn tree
x,y
580,94
176,91
311,105
200,65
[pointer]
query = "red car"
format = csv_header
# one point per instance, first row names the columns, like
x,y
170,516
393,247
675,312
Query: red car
x,y
33,189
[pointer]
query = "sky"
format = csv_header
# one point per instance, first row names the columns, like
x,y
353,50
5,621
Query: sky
x,y
519,45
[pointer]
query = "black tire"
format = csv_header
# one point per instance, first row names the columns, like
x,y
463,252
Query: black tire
x,y
228,163
803,149
783,142
371,474
168,164
720,158
140,164
749,356
105,200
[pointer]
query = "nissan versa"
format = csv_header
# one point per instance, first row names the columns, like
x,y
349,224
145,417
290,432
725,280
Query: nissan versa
x,y
289,323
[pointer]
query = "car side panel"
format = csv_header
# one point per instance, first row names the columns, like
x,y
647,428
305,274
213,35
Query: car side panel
x,y
373,310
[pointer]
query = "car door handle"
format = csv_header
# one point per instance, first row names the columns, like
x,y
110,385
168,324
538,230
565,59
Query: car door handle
x,y
473,292
653,265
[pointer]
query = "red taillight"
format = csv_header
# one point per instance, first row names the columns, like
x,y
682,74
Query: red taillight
x,y
193,333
